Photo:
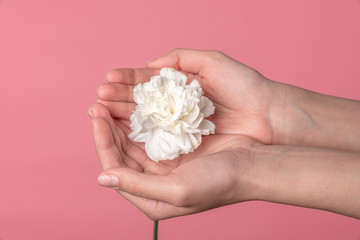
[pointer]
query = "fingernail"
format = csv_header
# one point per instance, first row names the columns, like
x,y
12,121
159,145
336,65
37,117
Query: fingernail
x,y
90,113
108,180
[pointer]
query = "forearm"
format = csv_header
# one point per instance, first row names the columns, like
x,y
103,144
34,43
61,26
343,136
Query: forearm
x,y
302,117
309,177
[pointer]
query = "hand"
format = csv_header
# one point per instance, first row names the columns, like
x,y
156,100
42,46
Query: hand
x,y
242,97
271,112
215,174
229,167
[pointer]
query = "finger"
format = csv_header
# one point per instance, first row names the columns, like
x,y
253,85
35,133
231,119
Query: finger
x,y
99,110
191,61
126,123
135,150
119,137
121,110
116,92
163,188
123,125
155,210
130,76
106,149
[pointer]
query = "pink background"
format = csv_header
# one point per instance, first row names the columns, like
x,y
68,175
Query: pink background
x,y
53,55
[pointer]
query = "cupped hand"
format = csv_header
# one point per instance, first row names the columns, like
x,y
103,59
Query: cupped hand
x,y
215,174
241,95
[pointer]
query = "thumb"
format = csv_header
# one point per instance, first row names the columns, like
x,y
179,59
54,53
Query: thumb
x,y
157,187
188,60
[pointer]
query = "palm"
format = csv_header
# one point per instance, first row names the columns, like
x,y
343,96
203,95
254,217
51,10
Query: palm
x,y
213,168
240,97
218,161
238,93
125,152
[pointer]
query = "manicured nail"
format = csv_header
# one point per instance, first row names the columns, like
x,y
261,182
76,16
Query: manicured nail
x,y
108,180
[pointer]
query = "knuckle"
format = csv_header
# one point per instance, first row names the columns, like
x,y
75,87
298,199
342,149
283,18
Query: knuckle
x,y
104,90
216,56
157,214
133,189
153,216
181,196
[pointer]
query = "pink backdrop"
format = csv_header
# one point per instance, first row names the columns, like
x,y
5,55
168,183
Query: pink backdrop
x,y
53,54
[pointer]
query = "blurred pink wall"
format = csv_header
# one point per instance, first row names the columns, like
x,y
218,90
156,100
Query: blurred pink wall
x,y
53,54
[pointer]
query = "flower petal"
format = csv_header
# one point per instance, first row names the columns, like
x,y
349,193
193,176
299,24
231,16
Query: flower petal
x,y
169,116
207,127
206,106
173,75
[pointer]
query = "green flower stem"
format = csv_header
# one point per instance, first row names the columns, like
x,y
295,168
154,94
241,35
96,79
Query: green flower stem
x,y
156,230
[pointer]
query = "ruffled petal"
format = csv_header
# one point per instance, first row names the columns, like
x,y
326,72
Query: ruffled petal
x,y
169,116
207,127
173,75
206,106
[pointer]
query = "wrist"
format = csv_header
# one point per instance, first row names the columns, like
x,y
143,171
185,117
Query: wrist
x,y
252,176
291,115
325,179
305,118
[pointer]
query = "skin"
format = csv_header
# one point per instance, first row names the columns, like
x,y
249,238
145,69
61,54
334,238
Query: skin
x,y
248,157
318,178
162,190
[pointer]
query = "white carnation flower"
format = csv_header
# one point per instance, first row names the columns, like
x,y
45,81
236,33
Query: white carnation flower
x,y
170,115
